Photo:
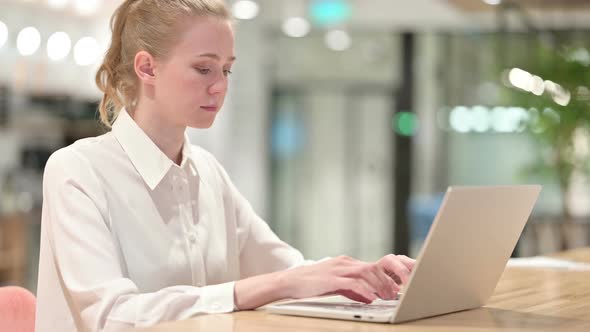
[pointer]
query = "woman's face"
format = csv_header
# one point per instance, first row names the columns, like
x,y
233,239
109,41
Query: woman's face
x,y
191,82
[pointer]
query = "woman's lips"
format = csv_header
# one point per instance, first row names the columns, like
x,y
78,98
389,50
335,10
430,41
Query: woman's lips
x,y
211,108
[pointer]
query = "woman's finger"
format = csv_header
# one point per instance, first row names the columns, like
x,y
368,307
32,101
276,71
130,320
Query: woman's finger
x,y
355,290
394,266
407,261
366,273
377,280
392,287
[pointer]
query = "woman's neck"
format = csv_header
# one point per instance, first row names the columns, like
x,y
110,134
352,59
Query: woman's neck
x,y
169,138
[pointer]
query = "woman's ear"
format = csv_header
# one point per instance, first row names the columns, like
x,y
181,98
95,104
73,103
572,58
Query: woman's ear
x,y
144,67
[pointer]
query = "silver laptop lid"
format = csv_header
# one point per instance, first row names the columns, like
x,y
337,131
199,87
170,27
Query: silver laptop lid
x,y
466,250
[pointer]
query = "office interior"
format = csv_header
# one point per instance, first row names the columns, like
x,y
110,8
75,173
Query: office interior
x,y
345,122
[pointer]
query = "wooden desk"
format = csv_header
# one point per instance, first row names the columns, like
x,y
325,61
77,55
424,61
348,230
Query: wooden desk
x,y
525,300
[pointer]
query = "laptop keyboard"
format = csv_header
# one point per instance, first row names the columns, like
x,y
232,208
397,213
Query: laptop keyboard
x,y
377,306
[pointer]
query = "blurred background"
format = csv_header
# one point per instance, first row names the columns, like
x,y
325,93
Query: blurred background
x,y
346,120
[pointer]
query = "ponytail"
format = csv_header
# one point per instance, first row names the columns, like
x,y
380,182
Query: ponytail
x,y
110,77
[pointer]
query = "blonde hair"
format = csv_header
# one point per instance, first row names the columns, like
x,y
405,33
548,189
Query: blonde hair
x,y
148,25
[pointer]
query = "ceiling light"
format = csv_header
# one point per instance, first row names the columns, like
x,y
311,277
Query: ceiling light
x,y
86,51
86,7
338,40
3,34
57,4
245,9
296,27
28,41
59,46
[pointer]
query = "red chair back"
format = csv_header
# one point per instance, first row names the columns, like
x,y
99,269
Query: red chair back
x,y
17,309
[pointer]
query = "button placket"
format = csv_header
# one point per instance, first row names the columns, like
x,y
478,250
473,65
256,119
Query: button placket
x,y
181,192
192,237
191,234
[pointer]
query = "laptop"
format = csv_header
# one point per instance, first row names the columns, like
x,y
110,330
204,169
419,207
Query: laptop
x,y
466,250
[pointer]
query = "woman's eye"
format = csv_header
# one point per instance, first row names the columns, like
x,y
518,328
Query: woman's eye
x,y
227,72
204,71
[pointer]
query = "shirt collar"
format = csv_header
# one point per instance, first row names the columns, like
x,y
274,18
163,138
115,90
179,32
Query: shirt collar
x,y
151,163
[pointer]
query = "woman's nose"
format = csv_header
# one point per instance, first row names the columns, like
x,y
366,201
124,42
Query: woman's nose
x,y
219,86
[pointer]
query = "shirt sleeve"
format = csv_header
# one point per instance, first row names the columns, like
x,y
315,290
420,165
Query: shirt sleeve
x,y
87,262
261,250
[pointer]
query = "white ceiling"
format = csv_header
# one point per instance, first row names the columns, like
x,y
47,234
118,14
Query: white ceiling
x,y
416,14
393,14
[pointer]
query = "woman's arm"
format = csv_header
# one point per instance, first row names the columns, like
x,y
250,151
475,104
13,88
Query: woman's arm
x,y
357,280
273,270
261,251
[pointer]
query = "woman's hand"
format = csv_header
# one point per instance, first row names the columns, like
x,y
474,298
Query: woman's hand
x,y
399,267
354,279
359,281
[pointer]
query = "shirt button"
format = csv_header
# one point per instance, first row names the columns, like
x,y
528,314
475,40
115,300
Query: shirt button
x,y
192,238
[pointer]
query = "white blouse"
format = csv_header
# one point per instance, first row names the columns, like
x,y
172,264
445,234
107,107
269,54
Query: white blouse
x,y
130,239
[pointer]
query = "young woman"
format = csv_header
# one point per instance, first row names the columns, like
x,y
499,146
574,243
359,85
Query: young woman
x,y
140,226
